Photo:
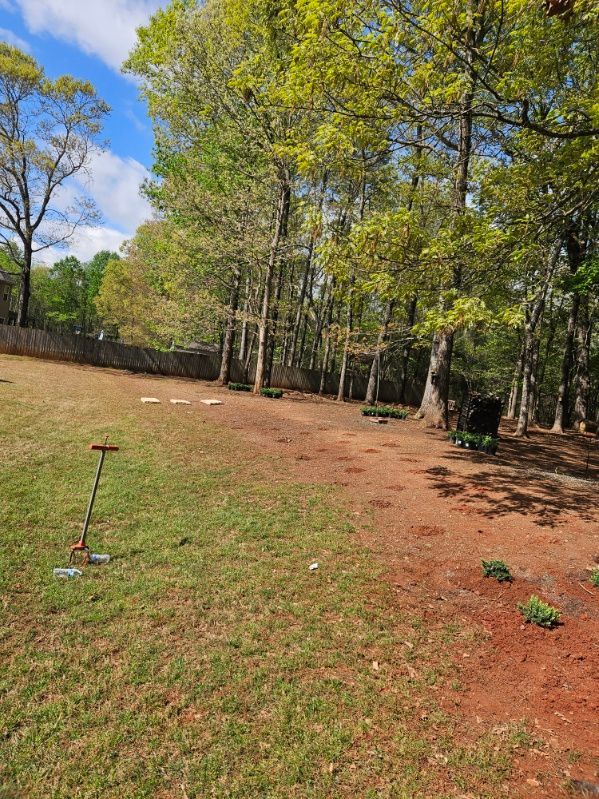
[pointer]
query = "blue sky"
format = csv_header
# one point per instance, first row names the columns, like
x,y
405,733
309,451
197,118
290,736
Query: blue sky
x,y
90,40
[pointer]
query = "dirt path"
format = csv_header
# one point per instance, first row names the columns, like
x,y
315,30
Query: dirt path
x,y
430,512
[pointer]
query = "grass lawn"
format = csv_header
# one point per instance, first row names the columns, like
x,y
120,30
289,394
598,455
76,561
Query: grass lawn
x,y
205,660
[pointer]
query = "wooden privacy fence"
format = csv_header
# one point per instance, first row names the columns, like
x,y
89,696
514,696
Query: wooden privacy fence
x,y
198,366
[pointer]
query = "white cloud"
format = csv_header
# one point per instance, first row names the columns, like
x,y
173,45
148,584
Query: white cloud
x,y
113,182
84,245
104,28
11,38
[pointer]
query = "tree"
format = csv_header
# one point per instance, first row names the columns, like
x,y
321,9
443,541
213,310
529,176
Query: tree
x,y
48,132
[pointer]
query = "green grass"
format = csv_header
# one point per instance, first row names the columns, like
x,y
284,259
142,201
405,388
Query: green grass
x,y
205,660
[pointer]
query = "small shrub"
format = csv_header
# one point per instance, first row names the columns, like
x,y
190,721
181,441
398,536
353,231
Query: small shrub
x,y
497,569
239,387
273,393
535,611
482,443
594,578
385,411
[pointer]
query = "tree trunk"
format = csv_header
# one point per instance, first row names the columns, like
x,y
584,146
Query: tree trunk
x,y
522,426
327,348
346,344
407,350
299,359
513,400
270,349
434,407
244,324
281,218
23,307
583,382
320,321
300,306
534,318
375,369
561,408
229,338
248,358
533,395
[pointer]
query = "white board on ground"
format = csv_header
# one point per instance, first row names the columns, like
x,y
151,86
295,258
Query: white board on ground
x,y
211,402
180,402
150,401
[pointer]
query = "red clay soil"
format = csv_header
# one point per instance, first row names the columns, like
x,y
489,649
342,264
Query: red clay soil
x,y
430,512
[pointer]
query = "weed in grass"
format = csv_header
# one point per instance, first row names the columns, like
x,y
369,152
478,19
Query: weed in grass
x,y
535,611
594,578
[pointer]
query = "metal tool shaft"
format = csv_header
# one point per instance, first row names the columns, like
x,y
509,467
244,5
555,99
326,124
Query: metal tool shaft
x,y
92,498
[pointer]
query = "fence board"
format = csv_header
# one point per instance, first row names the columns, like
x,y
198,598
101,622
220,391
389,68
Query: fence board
x,y
112,354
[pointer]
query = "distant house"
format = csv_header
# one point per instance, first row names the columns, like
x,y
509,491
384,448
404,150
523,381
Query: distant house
x,y
8,297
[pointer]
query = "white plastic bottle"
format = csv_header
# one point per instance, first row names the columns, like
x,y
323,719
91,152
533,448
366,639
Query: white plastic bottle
x,y
97,560
67,573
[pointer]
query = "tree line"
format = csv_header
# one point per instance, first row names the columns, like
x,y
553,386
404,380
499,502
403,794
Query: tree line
x,y
408,190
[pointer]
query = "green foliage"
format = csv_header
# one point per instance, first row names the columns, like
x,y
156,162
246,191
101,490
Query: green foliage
x,y
594,578
388,201
48,132
483,443
535,611
385,411
65,294
497,569
273,393
239,387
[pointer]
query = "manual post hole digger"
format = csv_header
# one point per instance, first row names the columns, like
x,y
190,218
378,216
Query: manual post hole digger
x,y
80,550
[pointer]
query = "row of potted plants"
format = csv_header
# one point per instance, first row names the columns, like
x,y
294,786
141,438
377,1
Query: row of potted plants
x,y
477,441
385,411
239,387
273,393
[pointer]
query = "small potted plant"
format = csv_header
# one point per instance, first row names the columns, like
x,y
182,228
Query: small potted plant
x,y
273,393
489,445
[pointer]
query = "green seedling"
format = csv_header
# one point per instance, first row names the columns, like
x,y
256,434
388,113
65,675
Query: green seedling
x,y
497,569
535,611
